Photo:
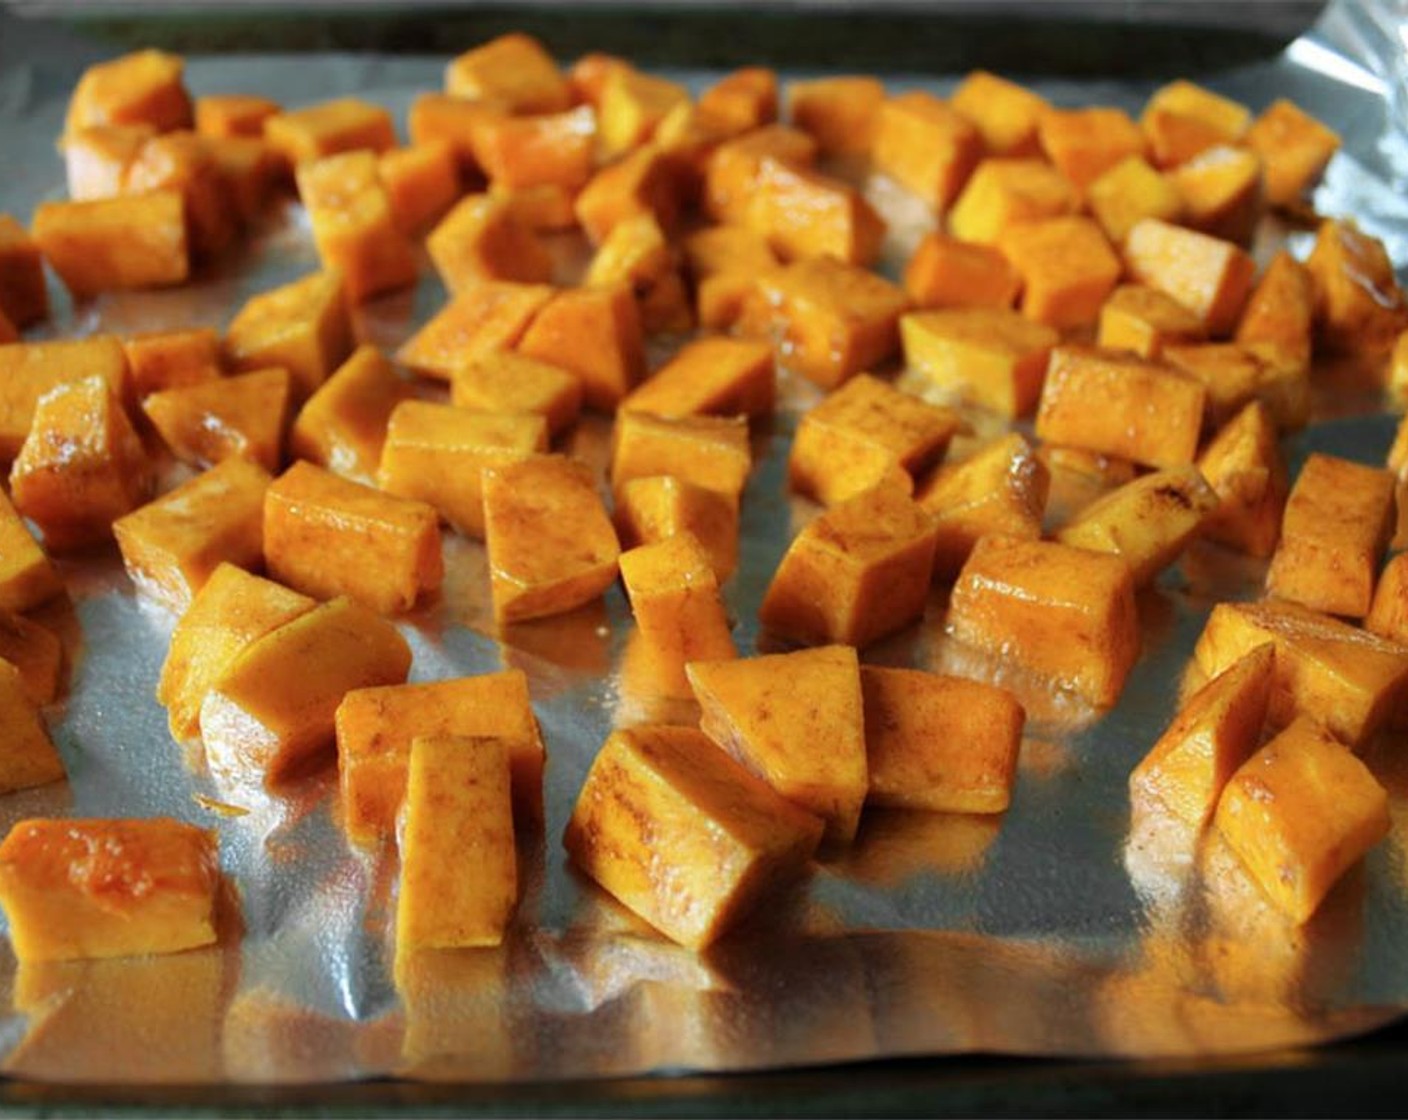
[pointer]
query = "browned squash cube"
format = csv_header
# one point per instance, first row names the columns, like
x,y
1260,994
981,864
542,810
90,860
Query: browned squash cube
x,y
939,743
1300,813
1007,115
858,573
421,181
439,118
1338,520
487,318
482,239
991,356
1144,321
304,327
169,359
742,100
110,244
709,451
550,149
839,113
96,158
1085,143
212,421
1358,303
27,757
86,889
1061,613
23,297
1279,316
181,161
1236,375
1067,269
509,382
27,577
865,433
1207,275
733,170
144,87
233,114
632,106
1295,149
644,182
34,650
594,333
926,146
1000,489
1388,615
946,272
725,262
251,169
1117,404
1243,465
81,467
1222,192
329,128
1128,193
343,425
675,600
551,544
1183,119
770,712
659,507
171,546
514,69
635,254
29,370
710,376
1004,192
806,214
665,794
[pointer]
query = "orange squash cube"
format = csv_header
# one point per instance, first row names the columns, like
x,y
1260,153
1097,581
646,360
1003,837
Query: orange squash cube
x,y
1279,317
841,113
304,327
376,727
514,69
1144,321
664,794
481,239
1182,120
1061,613
29,370
86,889
172,546
641,183
251,170
595,333
1085,143
865,433
233,114
343,425
27,577
421,183
36,652
436,453
675,600
1128,193
1067,269
635,254
710,376
632,106
1388,614
557,149
545,209
1209,276
992,356
731,176
23,297
740,101
327,536
1235,374
858,573
805,214
170,359
939,743
181,161
28,757
658,507
725,262
1300,812
1243,465
1004,192
212,421
110,244
486,318
1006,114
769,712
946,272
589,73
709,451
509,382
1359,306
329,128
1222,192
1294,148
551,545
96,158
926,146
81,467
145,87
436,118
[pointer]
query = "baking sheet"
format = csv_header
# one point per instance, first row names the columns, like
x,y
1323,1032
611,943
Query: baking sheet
x,y
1050,930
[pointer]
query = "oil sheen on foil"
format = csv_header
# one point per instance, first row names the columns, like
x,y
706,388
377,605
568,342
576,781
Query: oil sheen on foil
x,y
1049,930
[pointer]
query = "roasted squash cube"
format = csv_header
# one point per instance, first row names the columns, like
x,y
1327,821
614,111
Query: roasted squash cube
x,y
1244,467
927,146
665,794
509,382
1300,812
659,507
841,113
675,600
709,451
226,115
1002,193
36,651
644,182
1388,615
171,546
96,158
1067,269
169,359
769,712
946,272
1222,192
635,254
28,757
328,536
513,69
329,128
724,262
110,244
1062,613
1358,303
485,318
145,87
596,334
212,421
865,433
439,118
304,327
1085,143
343,425
481,239
731,176
85,889
555,149
1236,375
1130,192
992,356
1279,317
421,182
806,214
632,106
1183,119
545,209
1144,321
1294,147
710,376
742,100
181,161
23,297
251,169
1007,115
27,577
1209,276
939,743
30,370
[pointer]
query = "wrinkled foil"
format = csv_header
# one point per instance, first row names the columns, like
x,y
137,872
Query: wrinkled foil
x,y
1054,929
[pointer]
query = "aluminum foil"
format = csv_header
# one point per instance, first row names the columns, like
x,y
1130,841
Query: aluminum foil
x,y
1054,929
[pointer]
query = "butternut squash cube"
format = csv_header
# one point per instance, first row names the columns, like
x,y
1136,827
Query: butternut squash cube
x,y
1236,374
233,114
144,87
230,611
1062,613
642,183
1358,303
509,382
110,244
81,467
1085,143
1067,269
1183,119
636,254
421,181
30,370
304,327
709,451
96,158
1279,317
329,536
1000,489
27,577
1006,114
27,757
172,545
740,101
596,334
1128,193
724,262
486,318
181,161
589,73
1294,148
1002,193
1349,680
731,176
481,239
858,573
212,421
514,69
832,319
436,454
939,743
270,713
1209,276
806,214
946,272
841,113
1222,192
329,128
252,170
1388,615
545,209
377,726
927,146
1212,735
551,544
1144,321
1299,813
675,600
343,425
632,106
865,433
554,149
1244,467
87,889
688,137
992,356
458,813
1148,522
664,794
1338,520
1117,404
23,297
659,507
770,712
169,359
36,652
435,118
710,376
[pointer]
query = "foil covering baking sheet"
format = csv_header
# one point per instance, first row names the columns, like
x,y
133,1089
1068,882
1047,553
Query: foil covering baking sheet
x,y
1053,929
